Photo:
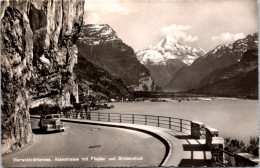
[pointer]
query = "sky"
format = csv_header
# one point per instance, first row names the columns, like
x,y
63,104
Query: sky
x,y
196,23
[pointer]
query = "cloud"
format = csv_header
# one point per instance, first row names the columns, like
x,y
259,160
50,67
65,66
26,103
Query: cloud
x,y
108,6
178,32
228,37
95,17
191,38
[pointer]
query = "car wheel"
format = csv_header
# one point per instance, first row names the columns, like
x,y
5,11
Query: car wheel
x,y
43,130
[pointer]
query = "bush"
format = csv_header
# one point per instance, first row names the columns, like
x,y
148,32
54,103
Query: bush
x,y
236,146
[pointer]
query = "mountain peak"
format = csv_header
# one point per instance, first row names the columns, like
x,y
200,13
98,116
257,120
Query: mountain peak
x,y
169,48
239,46
170,39
167,42
97,33
91,30
100,46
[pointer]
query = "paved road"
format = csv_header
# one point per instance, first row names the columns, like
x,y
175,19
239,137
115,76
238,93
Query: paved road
x,y
81,143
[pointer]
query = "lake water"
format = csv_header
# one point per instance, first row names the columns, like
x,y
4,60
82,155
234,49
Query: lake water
x,y
233,118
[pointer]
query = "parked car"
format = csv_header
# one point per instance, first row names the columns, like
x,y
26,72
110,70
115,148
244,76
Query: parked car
x,y
51,122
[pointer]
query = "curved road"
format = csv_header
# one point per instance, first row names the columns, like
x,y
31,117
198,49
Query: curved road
x,y
87,145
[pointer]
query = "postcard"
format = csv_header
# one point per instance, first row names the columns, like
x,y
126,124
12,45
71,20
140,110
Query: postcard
x,y
129,83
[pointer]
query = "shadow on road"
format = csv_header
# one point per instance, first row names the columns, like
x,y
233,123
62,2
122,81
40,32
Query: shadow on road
x,y
39,131
195,147
184,137
195,152
194,163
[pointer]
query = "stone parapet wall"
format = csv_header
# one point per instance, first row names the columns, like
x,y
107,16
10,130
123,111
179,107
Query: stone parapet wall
x,y
197,129
216,145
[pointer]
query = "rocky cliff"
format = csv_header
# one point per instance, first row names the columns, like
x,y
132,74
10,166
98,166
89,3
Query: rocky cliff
x,y
100,45
220,57
93,80
38,55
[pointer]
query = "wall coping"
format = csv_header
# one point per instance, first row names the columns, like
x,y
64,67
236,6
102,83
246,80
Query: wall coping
x,y
197,122
218,140
212,129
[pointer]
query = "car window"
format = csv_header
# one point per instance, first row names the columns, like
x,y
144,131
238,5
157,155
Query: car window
x,y
48,117
56,116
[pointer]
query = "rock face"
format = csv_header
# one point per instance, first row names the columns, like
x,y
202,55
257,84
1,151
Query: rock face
x,y
222,56
240,79
166,58
38,55
94,80
100,45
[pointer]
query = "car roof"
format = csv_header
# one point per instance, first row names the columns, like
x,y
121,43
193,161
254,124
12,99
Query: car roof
x,y
51,114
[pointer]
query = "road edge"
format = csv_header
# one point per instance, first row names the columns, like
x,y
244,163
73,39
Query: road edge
x,y
165,141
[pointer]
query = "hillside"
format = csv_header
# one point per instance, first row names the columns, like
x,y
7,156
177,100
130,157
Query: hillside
x,y
222,56
100,45
240,79
99,81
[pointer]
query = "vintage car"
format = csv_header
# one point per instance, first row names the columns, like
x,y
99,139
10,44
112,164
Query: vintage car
x,y
51,122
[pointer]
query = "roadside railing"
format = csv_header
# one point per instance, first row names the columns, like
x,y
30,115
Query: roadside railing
x,y
196,129
177,124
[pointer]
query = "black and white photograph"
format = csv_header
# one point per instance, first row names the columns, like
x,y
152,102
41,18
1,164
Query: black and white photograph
x,y
129,83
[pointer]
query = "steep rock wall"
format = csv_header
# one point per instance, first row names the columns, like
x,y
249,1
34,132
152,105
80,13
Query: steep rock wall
x,y
99,44
38,55
93,80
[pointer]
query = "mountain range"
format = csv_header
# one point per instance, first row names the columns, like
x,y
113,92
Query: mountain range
x,y
166,58
171,65
99,44
109,67
240,79
223,56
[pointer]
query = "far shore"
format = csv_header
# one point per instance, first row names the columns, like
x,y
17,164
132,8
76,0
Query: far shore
x,y
179,99
189,95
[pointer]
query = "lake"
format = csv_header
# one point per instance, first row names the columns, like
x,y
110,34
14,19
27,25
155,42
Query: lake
x,y
233,118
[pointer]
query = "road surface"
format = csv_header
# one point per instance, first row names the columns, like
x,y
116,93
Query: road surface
x,y
88,145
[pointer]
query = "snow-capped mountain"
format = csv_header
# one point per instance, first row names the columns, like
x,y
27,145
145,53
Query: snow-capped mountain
x,y
169,48
220,57
238,47
99,44
96,34
166,58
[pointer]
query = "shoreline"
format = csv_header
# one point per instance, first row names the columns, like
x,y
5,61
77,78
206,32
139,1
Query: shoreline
x,y
182,98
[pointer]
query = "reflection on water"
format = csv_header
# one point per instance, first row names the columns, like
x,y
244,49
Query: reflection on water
x,y
233,118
